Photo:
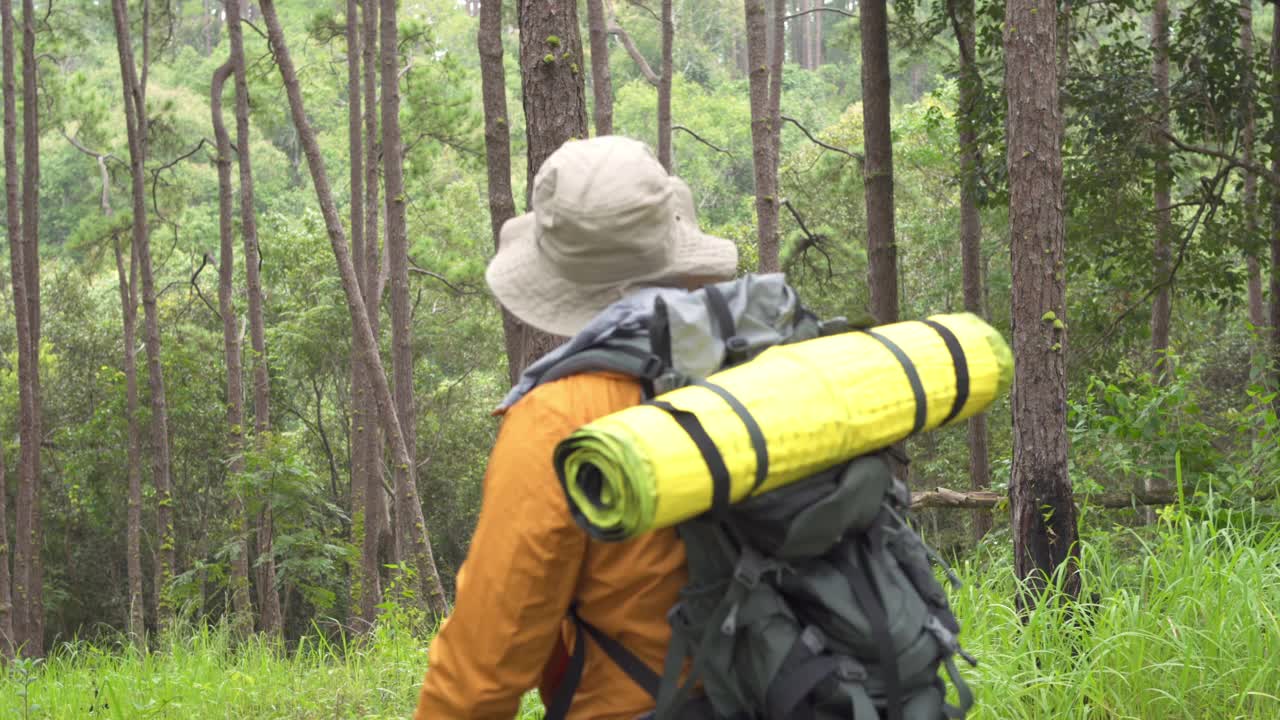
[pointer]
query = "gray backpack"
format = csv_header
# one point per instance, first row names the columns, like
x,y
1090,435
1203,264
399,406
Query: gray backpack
x,y
813,601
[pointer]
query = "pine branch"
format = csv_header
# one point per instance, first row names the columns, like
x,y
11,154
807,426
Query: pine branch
x,y
702,140
856,156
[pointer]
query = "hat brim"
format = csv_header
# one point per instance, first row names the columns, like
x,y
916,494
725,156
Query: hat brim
x,y
527,283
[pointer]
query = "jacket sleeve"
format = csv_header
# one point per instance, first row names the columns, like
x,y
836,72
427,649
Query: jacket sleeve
x,y
516,583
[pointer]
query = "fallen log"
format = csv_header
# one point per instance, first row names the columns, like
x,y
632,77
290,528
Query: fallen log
x,y
982,499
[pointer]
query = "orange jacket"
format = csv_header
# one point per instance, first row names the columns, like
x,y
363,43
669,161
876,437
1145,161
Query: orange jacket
x,y
528,560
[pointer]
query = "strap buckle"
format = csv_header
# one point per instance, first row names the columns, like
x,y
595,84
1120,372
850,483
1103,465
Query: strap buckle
x,y
751,566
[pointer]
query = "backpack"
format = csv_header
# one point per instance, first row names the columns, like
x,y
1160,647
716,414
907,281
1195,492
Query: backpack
x,y
812,601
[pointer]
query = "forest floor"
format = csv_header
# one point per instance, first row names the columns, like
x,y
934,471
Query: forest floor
x,y
1184,626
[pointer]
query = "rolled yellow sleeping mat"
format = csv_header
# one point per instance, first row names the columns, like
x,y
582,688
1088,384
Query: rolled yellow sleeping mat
x,y
793,410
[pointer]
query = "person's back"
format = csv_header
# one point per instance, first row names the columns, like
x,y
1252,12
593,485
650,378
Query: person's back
x,y
535,557
607,220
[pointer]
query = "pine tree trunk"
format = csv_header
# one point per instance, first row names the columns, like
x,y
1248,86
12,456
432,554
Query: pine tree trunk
x,y
882,252
971,234
555,109
239,583
1257,315
1275,203
497,145
136,126
25,545
779,30
601,80
1161,307
799,39
365,578
31,259
271,620
411,525
664,87
815,38
128,281
355,302
1043,512
762,132
7,644
378,536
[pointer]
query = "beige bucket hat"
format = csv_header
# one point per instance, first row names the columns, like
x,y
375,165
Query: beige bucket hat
x,y
606,218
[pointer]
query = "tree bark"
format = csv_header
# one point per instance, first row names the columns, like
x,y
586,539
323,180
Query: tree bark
x,y
766,180
779,30
379,537
497,146
971,233
31,258
133,532
1257,314
411,525
26,593
882,251
799,42
555,108
337,239
664,87
1161,309
553,89
242,622
1043,515
365,577
1275,203
271,620
136,126
7,643
601,81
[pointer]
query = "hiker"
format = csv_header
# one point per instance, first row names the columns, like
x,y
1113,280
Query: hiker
x,y
608,225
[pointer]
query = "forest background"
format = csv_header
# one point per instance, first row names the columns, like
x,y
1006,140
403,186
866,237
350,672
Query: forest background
x,y
198,487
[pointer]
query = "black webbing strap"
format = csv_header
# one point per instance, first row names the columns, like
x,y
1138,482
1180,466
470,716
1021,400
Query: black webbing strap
x,y
786,691
913,377
863,586
961,367
720,480
720,309
641,674
753,430
660,333
635,668
558,708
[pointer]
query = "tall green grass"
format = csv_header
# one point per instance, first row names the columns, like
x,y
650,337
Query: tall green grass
x,y
1184,626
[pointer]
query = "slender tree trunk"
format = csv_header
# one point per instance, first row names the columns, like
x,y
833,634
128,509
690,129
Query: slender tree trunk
x,y
379,541
1043,513
31,258
555,107
882,251
7,640
664,87
601,82
1275,203
243,611
779,30
497,145
136,126
26,545
367,589
411,525
1257,315
815,38
1162,305
799,42
268,596
355,302
766,180
971,233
